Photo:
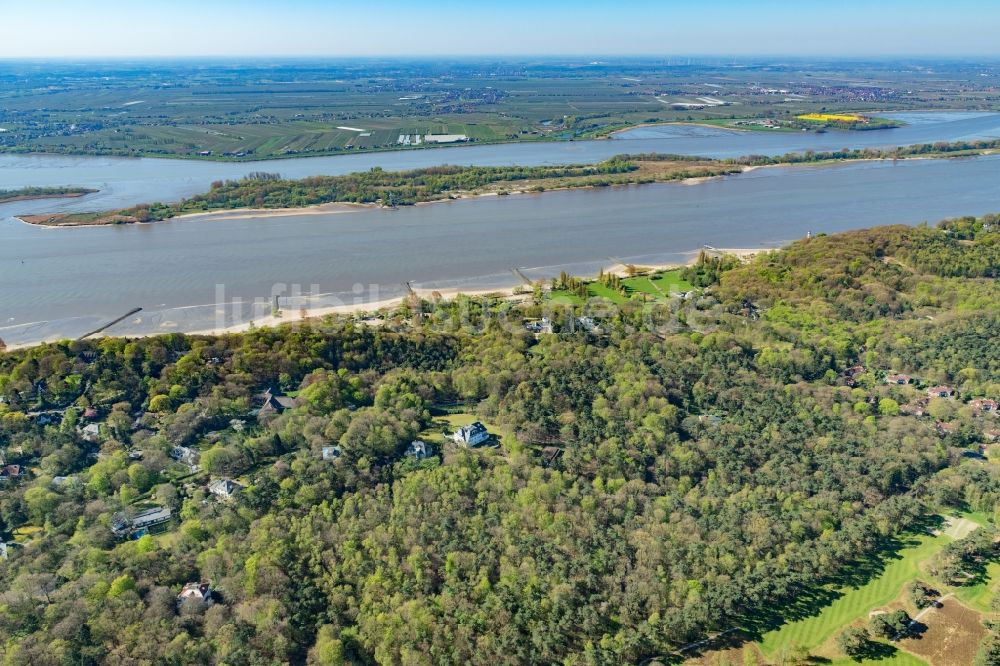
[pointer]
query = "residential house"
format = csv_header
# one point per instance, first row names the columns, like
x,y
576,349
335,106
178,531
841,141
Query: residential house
x,y
186,456
10,472
91,432
197,591
899,380
983,405
331,452
940,392
272,402
419,449
855,371
915,408
60,481
474,434
225,489
542,325
122,525
588,324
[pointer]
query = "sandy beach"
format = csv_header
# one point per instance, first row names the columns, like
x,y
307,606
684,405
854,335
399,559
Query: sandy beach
x,y
386,306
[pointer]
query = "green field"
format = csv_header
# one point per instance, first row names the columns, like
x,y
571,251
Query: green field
x,y
854,603
847,604
979,597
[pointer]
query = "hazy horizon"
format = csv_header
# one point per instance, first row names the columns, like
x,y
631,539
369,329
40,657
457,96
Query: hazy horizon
x,y
849,29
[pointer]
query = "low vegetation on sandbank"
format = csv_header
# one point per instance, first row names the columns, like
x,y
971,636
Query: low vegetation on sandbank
x,y
402,188
27,193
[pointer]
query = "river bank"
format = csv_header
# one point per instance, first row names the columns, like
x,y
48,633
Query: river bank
x,y
402,187
374,312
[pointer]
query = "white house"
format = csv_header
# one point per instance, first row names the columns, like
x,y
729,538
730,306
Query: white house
x,y
186,456
419,449
471,435
199,591
224,488
331,452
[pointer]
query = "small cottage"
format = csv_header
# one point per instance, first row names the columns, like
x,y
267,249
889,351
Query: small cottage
x,y
10,473
197,591
983,405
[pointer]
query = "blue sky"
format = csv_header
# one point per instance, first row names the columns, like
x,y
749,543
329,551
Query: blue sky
x,y
73,28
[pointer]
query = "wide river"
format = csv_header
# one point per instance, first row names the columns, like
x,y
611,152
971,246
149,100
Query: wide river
x,y
186,273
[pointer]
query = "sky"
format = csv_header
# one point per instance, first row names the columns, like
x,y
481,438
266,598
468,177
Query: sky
x,y
848,28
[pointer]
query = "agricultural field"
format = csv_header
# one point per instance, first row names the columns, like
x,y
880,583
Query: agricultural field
x,y
833,117
258,110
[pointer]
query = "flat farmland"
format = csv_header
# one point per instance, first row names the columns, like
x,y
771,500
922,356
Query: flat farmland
x,y
258,110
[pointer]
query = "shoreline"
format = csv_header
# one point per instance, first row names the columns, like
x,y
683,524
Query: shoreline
x,y
385,306
37,197
339,207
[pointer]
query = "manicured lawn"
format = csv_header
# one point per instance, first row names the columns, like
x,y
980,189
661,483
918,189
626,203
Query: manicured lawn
x,y
658,285
435,433
855,603
671,281
978,597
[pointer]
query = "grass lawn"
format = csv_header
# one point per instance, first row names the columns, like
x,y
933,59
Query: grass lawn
x,y
449,423
658,285
978,597
854,603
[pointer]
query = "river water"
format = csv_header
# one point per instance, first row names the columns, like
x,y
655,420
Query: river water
x,y
186,274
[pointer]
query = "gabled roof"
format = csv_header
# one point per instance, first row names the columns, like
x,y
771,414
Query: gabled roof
x,y
11,471
202,591
224,487
272,400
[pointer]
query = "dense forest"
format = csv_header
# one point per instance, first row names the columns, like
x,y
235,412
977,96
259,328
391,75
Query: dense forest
x,y
687,468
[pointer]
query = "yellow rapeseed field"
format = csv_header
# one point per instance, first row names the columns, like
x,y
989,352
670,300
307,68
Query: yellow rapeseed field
x,y
833,117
